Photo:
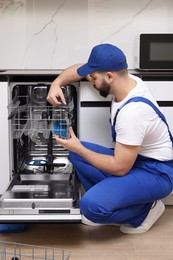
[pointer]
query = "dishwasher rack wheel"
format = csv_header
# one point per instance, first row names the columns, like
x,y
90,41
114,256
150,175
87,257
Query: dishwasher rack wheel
x,y
15,258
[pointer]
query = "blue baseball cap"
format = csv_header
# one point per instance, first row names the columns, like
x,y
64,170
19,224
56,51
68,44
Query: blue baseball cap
x,y
104,57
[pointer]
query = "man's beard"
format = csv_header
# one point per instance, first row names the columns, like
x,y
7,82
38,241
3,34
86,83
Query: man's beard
x,y
105,89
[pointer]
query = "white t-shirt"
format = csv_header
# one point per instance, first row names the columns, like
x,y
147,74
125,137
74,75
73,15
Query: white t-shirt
x,y
138,124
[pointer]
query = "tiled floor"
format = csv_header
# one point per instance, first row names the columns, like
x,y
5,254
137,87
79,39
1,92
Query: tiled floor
x,y
102,243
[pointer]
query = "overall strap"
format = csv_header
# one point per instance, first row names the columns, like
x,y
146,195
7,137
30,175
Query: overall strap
x,y
147,101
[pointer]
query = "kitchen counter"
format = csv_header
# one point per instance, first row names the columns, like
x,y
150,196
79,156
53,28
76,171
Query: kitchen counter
x,y
29,75
40,74
30,72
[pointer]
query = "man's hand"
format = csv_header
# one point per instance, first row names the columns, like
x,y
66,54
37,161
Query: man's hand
x,y
72,144
68,76
55,96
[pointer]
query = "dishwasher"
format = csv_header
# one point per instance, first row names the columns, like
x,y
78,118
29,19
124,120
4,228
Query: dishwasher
x,y
43,184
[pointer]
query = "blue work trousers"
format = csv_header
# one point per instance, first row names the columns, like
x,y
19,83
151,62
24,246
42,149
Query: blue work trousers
x,y
122,199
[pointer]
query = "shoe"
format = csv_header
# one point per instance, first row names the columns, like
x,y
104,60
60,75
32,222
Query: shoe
x,y
155,212
88,222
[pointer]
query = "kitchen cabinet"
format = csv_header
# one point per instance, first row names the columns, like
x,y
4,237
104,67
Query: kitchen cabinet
x,y
163,93
94,114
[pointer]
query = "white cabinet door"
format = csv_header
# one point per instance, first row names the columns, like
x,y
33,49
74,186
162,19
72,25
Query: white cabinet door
x,y
94,126
94,114
163,91
4,138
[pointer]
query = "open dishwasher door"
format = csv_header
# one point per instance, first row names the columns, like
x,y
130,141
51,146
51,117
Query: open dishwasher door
x,y
43,184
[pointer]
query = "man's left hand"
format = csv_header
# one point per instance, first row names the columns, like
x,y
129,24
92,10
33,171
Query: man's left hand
x,y
72,144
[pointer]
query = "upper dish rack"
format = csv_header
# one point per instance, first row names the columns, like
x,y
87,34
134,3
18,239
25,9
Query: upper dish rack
x,y
31,115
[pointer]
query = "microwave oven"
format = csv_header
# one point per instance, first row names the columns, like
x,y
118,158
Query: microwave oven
x,y
154,52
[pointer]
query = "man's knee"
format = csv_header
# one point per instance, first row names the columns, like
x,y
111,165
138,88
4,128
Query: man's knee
x,y
86,206
91,209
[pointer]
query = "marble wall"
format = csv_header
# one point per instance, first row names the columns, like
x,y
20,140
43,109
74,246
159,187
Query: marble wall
x,y
53,34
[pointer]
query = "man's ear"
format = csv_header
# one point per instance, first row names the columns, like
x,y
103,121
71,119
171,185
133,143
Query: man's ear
x,y
110,76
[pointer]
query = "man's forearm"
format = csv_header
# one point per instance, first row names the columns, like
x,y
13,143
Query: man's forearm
x,y
68,76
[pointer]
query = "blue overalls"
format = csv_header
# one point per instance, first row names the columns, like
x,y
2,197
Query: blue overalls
x,y
123,199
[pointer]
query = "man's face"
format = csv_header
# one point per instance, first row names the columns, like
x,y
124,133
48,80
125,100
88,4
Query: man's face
x,y
99,83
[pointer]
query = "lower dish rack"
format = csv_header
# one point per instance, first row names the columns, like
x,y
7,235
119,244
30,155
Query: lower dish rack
x,y
18,251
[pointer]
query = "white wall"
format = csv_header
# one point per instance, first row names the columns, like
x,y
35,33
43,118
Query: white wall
x,y
42,34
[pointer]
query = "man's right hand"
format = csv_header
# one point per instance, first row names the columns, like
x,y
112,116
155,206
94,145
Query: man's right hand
x,y
55,96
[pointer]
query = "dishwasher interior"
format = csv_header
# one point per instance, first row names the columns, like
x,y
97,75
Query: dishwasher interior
x,y
43,183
